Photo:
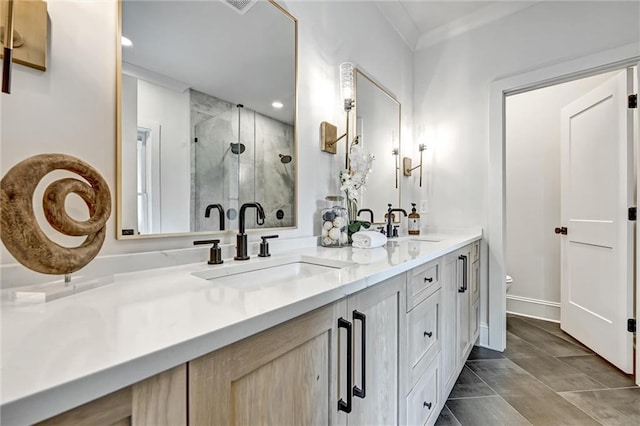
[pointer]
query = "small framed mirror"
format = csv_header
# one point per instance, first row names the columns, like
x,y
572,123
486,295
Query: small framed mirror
x,y
377,124
206,116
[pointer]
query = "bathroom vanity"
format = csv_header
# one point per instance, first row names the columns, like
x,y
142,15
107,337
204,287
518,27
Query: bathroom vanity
x,y
322,336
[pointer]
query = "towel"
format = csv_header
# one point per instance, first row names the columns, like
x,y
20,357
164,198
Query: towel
x,y
368,239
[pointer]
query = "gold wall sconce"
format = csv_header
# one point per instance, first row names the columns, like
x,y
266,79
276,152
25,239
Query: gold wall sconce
x,y
406,163
328,132
23,34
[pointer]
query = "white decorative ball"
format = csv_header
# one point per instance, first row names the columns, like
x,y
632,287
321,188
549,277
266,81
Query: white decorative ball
x,y
327,225
326,241
339,222
325,233
344,238
334,234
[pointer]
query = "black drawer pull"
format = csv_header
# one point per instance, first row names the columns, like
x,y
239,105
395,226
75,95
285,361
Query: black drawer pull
x,y
428,333
346,406
361,392
427,404
428,280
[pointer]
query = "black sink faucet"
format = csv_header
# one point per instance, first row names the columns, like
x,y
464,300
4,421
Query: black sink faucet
x,y
241,238
366,210
207,213
389,224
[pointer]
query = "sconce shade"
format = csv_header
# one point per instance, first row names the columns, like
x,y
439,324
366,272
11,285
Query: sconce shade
x,y
346,84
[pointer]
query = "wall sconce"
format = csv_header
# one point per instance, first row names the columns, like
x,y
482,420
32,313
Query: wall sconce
x,y
396,154
23,32
328,132
406,163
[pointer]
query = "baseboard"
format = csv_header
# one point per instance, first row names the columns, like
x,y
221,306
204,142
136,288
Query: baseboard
x,y
533,308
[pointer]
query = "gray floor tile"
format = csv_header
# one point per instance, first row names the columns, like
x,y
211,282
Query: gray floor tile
x,y
483,353
470,385
491,410
553,328
610,407
446,418
549,343
553,410
558,375
599,369
518,348
508,379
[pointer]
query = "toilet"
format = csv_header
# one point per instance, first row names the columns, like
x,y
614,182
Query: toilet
x,y
509,282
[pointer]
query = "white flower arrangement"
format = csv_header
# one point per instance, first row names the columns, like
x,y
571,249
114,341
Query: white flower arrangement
x,y
354,180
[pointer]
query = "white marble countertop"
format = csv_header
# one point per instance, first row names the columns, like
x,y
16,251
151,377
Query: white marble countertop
x,y
61,354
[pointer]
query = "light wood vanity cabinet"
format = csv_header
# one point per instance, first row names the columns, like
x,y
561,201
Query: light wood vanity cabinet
x,y
296,372
461,307
158,400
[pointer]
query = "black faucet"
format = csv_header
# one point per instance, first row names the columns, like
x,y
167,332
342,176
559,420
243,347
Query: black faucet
x,y
241,238
366,210
390,233
207,213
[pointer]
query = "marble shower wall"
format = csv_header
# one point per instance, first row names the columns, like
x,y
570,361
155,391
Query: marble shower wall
x,y
220,176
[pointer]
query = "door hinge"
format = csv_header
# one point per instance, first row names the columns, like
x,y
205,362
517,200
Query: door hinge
x,y
633,213
633,101
631,325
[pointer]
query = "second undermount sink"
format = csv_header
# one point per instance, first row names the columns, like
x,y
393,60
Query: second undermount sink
x,y
265,273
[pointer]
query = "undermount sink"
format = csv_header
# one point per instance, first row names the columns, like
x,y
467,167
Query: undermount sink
x,y
265,273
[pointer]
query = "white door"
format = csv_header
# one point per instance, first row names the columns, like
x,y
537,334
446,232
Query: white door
x,y
597,189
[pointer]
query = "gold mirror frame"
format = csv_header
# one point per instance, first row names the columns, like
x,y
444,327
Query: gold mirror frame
x,y
398,176
119,235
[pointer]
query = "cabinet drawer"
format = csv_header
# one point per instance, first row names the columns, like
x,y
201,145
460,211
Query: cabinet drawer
x,y
423,339
423,402
475,251
422,282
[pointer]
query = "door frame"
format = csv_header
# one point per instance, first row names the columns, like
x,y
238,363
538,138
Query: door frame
x,y
610,60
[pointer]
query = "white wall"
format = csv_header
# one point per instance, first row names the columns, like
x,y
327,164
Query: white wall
x,y
533,195
70,108
451,98
171,111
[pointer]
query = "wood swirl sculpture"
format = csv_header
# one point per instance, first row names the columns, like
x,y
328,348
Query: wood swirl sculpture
x,y
19,228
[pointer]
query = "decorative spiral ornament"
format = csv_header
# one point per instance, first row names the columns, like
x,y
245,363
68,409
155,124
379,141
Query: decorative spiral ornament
x,y
19,228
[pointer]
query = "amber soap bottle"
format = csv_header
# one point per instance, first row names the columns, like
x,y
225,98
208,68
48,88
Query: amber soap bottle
x,y
414,221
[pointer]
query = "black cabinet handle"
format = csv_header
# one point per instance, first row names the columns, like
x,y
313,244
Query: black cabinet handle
x,y
346,406
464,273
428,280
359,316
428,334
427,404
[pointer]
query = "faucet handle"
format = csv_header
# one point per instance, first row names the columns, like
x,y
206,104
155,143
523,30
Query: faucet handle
x,y
215,253
264,245
395,231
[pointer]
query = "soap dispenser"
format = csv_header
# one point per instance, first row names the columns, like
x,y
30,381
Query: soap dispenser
x,y
414,221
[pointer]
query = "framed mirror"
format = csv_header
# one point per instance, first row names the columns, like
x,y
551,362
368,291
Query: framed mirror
x,y
207,112
377,125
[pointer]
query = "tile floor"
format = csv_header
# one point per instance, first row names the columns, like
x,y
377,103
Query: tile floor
x,y
544,377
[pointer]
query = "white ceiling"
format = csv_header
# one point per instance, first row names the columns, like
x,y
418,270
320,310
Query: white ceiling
x,y
423,23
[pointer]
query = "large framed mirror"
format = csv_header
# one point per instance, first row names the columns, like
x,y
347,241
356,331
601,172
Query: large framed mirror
x,y
377,126
207,111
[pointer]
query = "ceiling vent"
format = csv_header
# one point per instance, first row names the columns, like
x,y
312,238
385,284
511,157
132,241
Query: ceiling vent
x,y
240,6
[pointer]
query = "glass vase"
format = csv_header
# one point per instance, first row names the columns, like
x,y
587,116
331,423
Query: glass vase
x,y
334,220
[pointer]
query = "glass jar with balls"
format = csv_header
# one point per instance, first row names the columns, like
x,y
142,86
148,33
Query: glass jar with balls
x,y
334,222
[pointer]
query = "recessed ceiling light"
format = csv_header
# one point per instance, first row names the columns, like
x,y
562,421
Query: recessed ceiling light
x,y
126,42
277,104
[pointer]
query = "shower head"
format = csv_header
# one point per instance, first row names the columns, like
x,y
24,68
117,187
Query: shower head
x,y
284,159
237,148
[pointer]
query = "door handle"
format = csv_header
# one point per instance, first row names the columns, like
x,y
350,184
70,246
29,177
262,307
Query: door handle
x,y
346,406
361,392
562,230
464,274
